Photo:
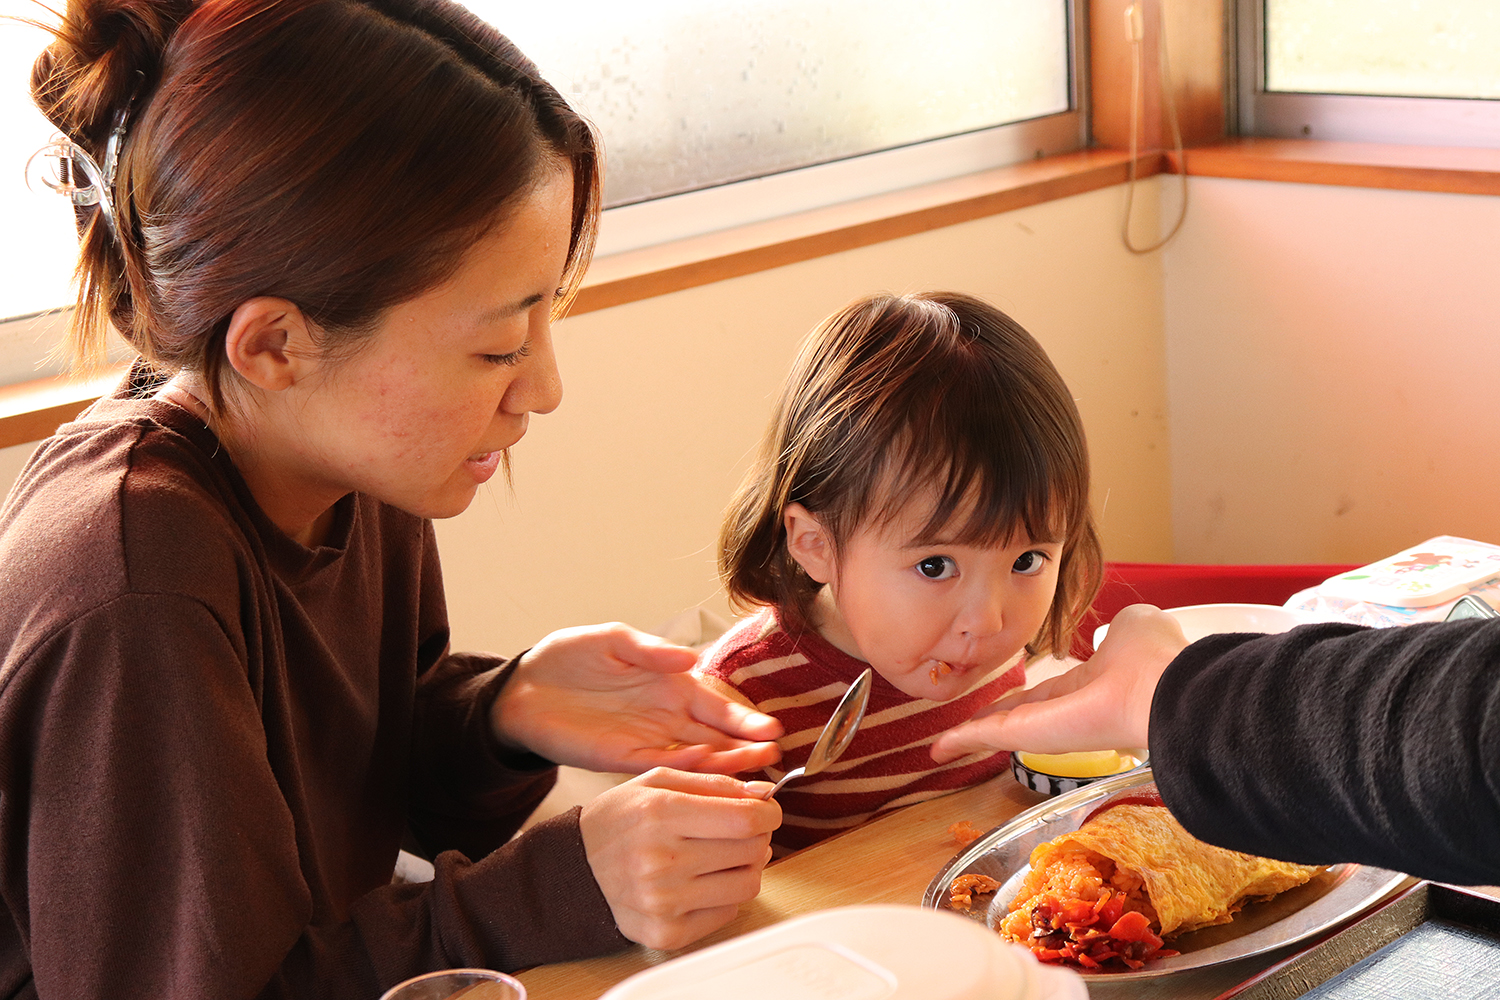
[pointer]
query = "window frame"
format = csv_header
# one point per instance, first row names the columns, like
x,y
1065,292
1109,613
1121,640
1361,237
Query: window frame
x,y
740,203
1416,121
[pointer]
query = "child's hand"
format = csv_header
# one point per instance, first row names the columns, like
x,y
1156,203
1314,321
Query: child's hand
x,y
1102,704
676,854
610,698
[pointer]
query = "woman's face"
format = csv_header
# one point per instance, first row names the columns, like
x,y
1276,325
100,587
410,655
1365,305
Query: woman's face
x,y
422,412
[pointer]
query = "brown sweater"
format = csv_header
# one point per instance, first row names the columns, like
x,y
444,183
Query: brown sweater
x,y
213,741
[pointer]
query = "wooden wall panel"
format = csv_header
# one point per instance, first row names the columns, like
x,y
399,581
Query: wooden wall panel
x,y
1198,40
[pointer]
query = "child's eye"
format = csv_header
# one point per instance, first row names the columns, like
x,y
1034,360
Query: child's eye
x,y
938,568
1030,563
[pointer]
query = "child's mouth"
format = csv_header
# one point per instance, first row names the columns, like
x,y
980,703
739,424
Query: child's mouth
x,y
942,668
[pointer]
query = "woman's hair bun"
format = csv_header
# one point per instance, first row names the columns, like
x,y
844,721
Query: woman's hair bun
x,y
104,52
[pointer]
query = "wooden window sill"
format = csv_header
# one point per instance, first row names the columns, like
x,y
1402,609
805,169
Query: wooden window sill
x,y
30,411
700,260
1452,170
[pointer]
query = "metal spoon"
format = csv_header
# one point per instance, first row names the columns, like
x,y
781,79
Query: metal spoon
x,y
837,734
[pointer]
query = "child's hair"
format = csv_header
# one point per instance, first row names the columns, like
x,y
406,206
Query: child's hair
x,y
896,394
342,154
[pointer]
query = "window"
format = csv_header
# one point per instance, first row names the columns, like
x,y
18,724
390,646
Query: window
x,y
690,96
713,114
37,241
1419,71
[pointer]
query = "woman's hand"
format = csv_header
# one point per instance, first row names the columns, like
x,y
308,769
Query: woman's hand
x,y
677,853
610,698
1101,704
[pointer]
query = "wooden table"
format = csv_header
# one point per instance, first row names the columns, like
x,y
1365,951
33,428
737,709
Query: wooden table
x,y
888,860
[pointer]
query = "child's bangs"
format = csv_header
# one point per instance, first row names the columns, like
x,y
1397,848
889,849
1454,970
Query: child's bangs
x,y
985,494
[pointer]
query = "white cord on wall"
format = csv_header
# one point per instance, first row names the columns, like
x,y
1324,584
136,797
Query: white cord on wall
x,y
1135,32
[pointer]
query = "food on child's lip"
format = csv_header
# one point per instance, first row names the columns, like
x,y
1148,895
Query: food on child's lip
x,y
961,892
940,669
1084,764
964,833
1111,892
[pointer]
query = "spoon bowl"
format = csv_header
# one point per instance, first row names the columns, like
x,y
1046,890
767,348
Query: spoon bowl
x,y
837,734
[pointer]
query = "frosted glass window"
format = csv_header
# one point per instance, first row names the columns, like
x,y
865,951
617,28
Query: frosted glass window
x,y
1414,48
690,94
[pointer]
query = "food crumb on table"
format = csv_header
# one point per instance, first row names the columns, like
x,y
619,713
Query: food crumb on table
x,y
963,833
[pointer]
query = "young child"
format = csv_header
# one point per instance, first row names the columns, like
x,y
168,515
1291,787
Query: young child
x,y
920,505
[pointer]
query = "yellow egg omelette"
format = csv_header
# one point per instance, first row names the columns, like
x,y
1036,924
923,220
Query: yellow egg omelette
x,y
1189,884
1130,877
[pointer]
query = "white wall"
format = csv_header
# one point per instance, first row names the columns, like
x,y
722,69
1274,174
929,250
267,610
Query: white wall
x,y
1333,359
618,494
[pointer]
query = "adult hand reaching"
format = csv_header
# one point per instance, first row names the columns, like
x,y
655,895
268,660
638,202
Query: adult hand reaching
x,y
676,853
611,698
1101,704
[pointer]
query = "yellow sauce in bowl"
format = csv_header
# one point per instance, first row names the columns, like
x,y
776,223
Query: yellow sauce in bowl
x,y
1084,764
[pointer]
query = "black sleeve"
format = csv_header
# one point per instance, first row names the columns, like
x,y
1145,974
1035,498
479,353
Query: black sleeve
x,y
1338,743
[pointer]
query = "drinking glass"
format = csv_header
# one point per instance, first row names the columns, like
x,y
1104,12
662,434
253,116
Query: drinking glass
x,y
470,984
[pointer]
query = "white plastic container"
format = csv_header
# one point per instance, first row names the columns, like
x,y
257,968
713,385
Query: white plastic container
x,y
859,953
1199,620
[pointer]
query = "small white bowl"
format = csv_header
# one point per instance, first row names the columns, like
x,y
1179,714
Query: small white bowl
x,y
1199,620
1056,784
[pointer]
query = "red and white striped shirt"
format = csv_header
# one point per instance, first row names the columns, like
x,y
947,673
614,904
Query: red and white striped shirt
x,y
799,680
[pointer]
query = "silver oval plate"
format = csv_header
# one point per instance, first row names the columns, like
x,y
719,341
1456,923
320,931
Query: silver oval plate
x,y
1339,893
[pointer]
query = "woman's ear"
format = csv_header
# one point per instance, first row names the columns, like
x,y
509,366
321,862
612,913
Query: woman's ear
x,y
808,542
269,342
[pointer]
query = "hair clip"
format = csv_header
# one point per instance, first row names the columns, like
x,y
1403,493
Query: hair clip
x,y
112,146
74,174
69,160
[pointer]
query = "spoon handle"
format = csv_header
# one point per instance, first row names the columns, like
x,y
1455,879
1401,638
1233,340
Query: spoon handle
x,y
795,772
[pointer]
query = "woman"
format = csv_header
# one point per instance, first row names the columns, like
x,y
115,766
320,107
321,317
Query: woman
x,y
336,233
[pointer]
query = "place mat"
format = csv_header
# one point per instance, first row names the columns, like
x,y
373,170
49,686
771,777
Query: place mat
x,y
1433,942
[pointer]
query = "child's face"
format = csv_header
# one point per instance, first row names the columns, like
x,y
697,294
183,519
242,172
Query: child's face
x,y
932,619
420,414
